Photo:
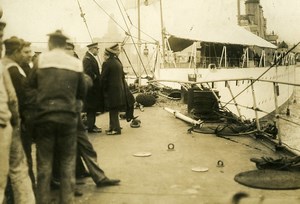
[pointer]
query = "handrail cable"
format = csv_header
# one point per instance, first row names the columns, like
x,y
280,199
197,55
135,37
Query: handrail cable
x,y
260,110
254,80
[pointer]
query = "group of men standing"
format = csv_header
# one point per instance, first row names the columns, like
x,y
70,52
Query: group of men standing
x,y
109,91
44,103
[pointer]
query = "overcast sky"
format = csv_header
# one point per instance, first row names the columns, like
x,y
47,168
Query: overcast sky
x,y
33,19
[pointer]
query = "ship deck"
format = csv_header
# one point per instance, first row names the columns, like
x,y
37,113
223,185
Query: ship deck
x,y
166,176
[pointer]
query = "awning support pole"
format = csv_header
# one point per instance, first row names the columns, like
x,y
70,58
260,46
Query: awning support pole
x,y
225,63
192,54
223,55
247,56
262,59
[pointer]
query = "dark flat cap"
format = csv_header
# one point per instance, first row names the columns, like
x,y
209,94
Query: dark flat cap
x,y
12,44
92,45
58,34
113,49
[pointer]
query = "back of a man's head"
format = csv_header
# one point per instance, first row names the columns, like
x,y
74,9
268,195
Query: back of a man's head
x,y
57,40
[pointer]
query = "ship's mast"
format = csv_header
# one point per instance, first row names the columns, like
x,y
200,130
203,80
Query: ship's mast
x,y
139,36
238,12
162,31
139,43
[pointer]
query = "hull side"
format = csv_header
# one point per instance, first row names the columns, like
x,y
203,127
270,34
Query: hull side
x,y
263,91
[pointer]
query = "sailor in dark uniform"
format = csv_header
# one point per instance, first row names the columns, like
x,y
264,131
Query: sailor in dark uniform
x,y
93,101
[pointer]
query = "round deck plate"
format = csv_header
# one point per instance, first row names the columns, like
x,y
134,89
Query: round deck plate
x,y
142,154
200,169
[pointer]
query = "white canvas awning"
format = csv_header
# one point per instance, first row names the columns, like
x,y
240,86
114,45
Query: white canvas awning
x,y
229,34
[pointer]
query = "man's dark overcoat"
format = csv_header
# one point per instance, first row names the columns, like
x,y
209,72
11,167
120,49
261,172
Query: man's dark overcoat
x,y
112,80
94,98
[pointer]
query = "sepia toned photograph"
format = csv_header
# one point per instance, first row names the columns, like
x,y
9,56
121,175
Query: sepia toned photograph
x,y
149,101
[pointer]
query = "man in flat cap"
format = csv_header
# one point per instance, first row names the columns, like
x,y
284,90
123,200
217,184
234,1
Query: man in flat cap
x,y
18,169
93,100
114,90
59,81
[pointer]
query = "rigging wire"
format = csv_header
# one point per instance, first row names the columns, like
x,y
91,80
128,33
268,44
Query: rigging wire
x,y
129,61
145,33
288,102
155,61
290,147
132,39
84,20
138,30
149,60
126,33
109,15
134,25
255,80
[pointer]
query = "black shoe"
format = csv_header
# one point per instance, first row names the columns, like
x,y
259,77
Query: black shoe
x,y
95,130
107,182
106,131
122,116
113,132
110,129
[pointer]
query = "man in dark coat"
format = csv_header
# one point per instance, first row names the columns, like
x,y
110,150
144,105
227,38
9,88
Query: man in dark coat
x,y
112,79
59,81
92,103
85,149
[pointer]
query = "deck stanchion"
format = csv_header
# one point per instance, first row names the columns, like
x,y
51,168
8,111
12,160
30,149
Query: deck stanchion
x,y
234,100
276,93
255,107
224,53
215,95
